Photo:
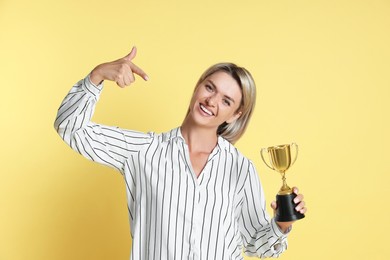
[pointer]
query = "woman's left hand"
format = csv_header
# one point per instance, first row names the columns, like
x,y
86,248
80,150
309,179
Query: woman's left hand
x,y
300,206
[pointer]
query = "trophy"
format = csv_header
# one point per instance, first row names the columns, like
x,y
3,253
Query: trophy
x,y
280,160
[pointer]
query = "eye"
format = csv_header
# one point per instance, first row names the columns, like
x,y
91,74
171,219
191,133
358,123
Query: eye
x,y
209,88
226,102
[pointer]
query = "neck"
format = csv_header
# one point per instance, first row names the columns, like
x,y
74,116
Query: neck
x,y
198,138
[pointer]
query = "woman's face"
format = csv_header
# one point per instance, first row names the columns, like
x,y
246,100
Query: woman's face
x,y
216,100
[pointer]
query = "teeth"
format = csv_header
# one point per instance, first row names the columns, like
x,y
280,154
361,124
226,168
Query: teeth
x,y
206,110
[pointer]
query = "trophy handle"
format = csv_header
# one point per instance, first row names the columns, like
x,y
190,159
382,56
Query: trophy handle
x,y
296,154
262,157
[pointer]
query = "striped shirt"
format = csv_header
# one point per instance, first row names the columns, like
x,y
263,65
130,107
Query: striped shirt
x,y
174,214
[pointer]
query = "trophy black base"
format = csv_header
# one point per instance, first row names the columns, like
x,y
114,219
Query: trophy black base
x,y
285,211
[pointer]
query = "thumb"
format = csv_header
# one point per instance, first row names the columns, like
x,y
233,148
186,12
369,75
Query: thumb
x,y
274,205
132,54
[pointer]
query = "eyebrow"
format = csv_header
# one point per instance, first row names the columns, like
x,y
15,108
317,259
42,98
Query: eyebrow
x,y
227,97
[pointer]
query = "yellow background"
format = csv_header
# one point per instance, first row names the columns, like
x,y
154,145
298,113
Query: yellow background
x,y
322,70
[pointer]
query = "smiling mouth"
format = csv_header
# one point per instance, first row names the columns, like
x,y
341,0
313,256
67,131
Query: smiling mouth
x,y
204,109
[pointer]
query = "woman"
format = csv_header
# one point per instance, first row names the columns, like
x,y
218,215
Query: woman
x,y
191,193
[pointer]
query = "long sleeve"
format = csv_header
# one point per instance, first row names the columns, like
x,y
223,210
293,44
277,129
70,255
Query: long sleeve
x,y
261,235
107,145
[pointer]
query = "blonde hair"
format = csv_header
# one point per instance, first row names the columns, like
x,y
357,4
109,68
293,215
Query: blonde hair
x,y
233,131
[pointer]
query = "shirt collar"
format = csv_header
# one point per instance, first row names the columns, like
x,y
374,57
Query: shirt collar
x,y
175,134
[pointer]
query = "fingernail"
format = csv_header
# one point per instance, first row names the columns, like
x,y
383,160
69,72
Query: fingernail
x,y
146,78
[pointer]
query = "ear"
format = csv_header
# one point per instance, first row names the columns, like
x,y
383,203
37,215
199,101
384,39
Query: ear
x,y
234,117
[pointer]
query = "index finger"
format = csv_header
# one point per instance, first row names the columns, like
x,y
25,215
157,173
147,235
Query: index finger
x,y
137,70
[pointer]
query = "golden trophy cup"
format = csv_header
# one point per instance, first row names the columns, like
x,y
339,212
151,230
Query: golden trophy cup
x,y
280,161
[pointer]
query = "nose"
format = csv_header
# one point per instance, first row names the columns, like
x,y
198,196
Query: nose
x,y
211,100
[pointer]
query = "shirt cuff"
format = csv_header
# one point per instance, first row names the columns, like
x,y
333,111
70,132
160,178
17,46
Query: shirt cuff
x,y
281,243
89,87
